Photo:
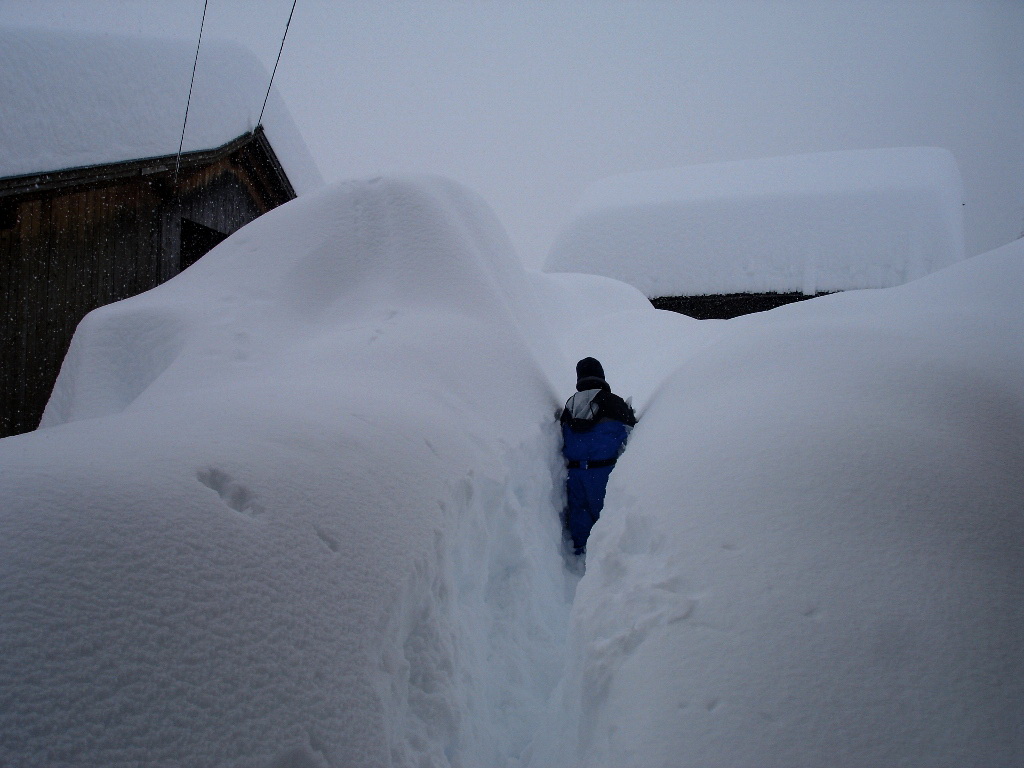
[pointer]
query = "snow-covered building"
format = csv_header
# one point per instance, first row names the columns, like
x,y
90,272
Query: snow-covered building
x,y
97,204
724,239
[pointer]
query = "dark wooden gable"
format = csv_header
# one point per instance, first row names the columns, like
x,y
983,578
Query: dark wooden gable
x,y
74,240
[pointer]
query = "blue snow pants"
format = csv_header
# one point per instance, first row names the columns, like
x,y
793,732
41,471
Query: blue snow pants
x,y
585,493
585,487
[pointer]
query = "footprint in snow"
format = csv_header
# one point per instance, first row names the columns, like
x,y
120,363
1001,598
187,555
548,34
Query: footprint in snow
x,y
233,493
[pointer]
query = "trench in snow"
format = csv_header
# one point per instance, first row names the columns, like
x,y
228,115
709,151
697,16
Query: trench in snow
x,y
476,646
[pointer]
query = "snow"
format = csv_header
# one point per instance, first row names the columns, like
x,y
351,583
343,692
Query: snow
x,y
814,554
75,99
298,506
813,223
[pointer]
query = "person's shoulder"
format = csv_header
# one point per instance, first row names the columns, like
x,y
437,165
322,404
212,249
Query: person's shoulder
x,y
616,408
610,398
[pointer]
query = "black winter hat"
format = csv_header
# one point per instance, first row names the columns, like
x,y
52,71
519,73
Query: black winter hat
x,y
589,367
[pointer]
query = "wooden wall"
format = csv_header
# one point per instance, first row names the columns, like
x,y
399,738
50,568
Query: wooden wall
x,y
725,306
67,251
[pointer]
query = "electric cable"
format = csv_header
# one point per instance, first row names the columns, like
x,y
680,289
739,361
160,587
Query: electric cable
x,y
188,102
272,74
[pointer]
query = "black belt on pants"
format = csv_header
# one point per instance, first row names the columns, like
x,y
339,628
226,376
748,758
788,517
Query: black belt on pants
x,y
592,464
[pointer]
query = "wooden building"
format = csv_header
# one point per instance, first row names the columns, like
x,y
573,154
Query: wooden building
x,y
97,203
74,240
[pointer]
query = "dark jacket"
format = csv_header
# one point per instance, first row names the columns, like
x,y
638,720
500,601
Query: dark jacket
x,y
595,423
604,404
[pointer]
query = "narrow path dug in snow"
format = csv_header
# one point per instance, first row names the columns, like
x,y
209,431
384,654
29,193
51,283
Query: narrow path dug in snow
x,y
476,644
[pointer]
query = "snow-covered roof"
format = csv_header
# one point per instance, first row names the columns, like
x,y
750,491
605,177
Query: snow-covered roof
x,y
74,100
819,222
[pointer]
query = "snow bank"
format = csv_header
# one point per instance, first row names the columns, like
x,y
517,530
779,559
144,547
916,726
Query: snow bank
x,y
293,507
299,507
821,222
811,552
77,99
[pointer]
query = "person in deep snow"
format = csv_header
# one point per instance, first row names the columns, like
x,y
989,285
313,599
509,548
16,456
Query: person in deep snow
x,y
595,425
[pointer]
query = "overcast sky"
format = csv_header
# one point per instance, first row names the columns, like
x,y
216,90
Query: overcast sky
x,y
529,102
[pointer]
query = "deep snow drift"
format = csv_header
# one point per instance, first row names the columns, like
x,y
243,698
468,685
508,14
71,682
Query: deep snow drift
x,y
298,506
299,503
812,549
831,221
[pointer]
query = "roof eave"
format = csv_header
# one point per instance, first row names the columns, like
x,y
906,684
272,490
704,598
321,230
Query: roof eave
x,y
93,174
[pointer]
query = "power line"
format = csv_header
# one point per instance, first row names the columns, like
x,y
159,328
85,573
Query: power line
x,y
279,50
181,143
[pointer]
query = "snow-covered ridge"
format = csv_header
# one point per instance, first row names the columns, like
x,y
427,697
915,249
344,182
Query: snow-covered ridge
x,y
363,253
820,222
80,99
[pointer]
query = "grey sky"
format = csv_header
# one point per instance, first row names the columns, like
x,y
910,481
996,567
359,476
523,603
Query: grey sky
x,y
528,102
